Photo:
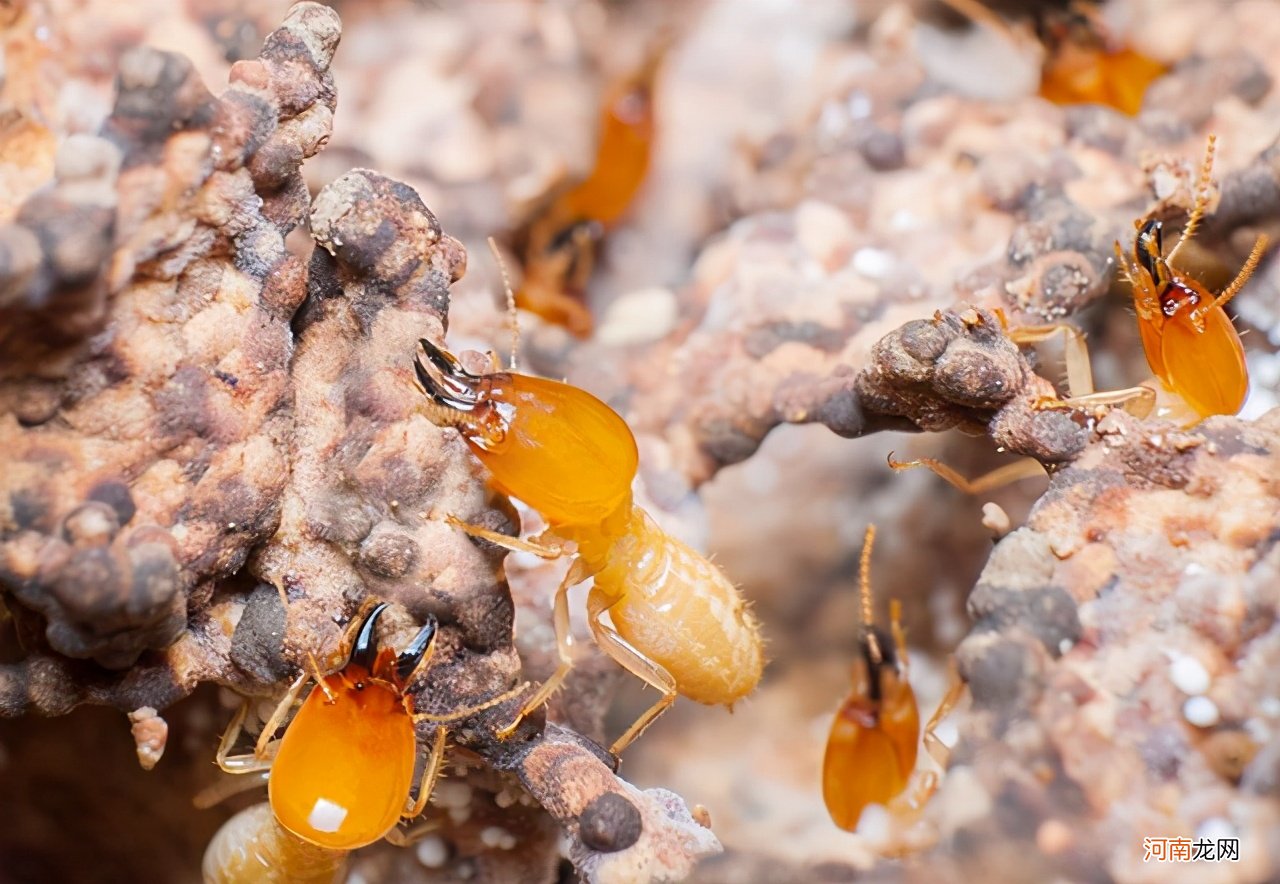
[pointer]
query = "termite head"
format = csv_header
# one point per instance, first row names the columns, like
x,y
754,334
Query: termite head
x,y
552,445
459,398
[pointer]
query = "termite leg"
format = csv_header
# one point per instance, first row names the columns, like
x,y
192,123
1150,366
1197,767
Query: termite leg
x,y
459,714
564,648
398,837
278,714
1074,349
414,806
632,660
925,782
219,791
431,773
1025,468
238,764
506,541
938,750
1138,401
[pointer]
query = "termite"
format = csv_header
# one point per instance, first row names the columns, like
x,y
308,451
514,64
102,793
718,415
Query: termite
x,y
559,248
677,623
1083,64
342,775
874,741
1189,341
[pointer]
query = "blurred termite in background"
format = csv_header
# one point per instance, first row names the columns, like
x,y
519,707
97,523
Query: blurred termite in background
x,y
1084,62
559,245
875,737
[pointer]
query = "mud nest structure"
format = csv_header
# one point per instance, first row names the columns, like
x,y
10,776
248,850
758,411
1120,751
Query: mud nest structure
x,y
211,453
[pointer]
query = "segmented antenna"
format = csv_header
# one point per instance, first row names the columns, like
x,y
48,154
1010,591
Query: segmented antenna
x,y
864,584
511,301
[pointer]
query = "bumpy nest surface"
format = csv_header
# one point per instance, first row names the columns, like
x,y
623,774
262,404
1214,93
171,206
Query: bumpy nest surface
x,y
213,454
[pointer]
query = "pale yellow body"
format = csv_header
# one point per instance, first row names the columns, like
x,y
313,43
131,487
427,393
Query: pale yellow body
x,y
668,601
252,848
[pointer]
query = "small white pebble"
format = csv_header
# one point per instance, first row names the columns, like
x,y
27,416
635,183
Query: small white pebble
x,y
496,836
638,317
995,519
452,795
433,852
1200,711
1065,645
873,263
1216,827
1189,675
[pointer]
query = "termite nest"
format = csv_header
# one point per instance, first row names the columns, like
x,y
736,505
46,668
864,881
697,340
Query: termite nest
x,y
215,453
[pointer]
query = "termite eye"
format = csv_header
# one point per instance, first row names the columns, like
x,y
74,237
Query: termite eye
x,y
1148,248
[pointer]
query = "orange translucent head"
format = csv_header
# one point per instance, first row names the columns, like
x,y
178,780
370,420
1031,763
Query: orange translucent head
x,y
1190,343
345,765
872,747
555,447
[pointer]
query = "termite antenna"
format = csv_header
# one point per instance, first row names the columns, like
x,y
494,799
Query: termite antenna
x,y
512,317
864,587
1200,200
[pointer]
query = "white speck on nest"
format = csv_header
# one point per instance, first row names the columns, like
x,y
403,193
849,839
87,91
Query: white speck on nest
x,y
506,798
873,263
433,852
1216,827
1065,645
638,317
452,795
496,836
1201,711
1188,674
995,519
